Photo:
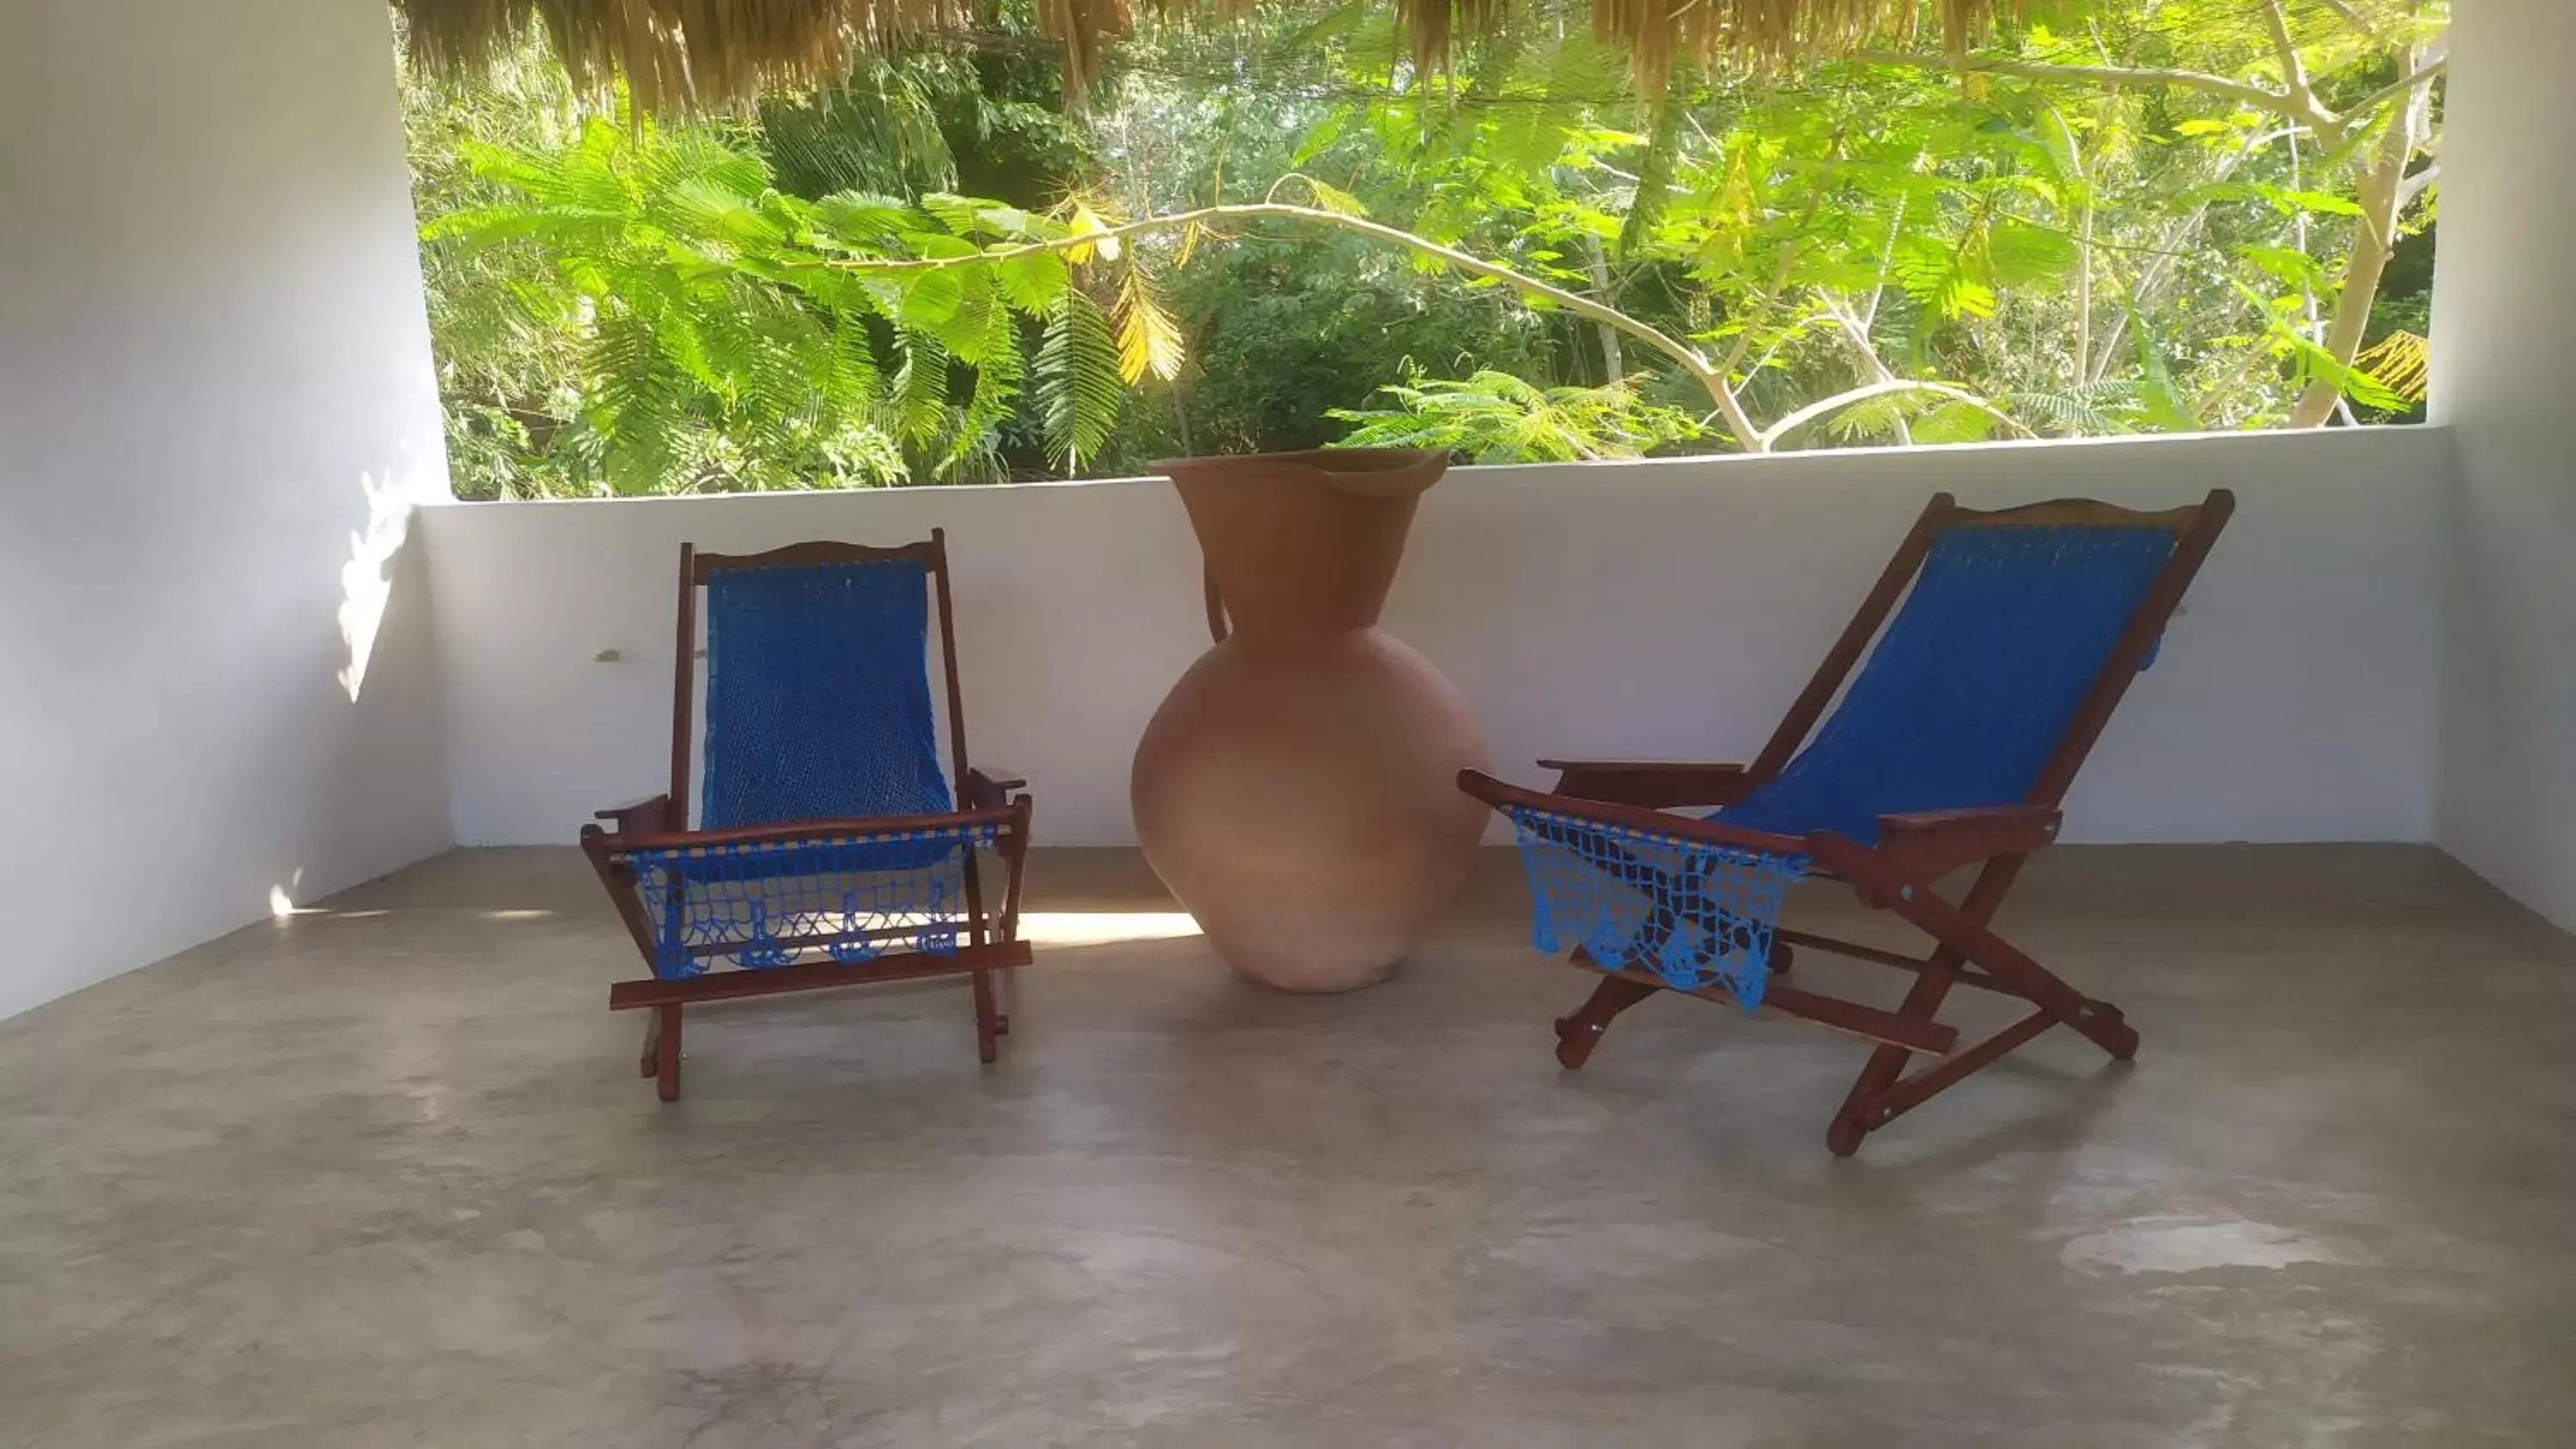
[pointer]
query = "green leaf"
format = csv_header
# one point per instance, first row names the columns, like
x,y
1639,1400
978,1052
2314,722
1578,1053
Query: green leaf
x,y
998,374
2291,203
1033,281
2316,364
1321,137
966,329
1953,421
865,222
972,215
921,388
931,299
1333,199
2023,254
1078,391
2160,400
2289,265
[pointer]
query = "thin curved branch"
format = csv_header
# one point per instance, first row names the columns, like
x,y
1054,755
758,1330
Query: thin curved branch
x,y
2114,77
2404,85
1841,400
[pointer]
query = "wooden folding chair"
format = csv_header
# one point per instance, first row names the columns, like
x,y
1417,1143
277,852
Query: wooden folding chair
x,y
831,849
1965,695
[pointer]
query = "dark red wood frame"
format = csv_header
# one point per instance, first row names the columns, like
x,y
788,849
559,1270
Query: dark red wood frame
x,y
992,798
1914,851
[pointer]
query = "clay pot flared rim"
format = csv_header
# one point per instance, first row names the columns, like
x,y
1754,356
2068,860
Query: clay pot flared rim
x,y
1362,472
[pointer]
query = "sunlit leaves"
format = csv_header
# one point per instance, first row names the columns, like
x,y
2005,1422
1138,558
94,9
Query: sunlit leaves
x,y
1148,340
2402,363
1083,221
1334,199
1493,417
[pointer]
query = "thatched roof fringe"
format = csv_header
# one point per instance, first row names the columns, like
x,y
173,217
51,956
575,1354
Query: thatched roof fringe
x,y
681,55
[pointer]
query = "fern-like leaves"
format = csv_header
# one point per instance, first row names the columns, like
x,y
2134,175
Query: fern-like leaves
x,y
1078,389
1148,339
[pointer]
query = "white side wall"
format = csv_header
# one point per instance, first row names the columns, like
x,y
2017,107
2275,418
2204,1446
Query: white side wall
x,y
1658,609
215,401
2505,337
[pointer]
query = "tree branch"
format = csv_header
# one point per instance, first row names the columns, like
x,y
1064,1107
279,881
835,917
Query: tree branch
x,y
2383,201
2406,84
2113,77
1856,332
2416,185
2294,71
1815,410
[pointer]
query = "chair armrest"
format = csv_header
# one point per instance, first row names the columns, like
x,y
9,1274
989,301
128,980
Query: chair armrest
x,y
988,787
648,816
1931,843
1656,784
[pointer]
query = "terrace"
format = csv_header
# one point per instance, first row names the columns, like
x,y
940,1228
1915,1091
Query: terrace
x,y
319,1132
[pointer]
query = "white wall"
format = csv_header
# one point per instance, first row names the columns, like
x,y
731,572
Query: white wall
x,y
215,399
2505,341
1661,609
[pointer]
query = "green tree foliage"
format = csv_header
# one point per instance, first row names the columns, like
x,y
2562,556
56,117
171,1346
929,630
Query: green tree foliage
x,y
2173,217
626,308
729,336
1275,233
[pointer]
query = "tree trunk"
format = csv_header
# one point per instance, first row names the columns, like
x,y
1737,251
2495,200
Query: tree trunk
x,y
1613,366
2383,201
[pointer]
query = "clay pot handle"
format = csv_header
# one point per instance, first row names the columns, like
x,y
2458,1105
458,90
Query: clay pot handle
x,y
1217,629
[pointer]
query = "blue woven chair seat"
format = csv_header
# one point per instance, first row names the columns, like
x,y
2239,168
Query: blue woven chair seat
x,y
817,709
771,904
1974,681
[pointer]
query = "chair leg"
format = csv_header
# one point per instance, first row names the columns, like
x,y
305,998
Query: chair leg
x,y
651,1061
989,1021
1886,1064
666,1056
1578,1034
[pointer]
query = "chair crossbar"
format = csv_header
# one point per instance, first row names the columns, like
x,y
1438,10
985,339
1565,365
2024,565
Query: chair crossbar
x,y
1898,959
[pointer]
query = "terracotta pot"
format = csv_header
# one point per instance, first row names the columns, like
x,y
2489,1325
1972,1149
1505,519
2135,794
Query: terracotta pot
x,y
1297,791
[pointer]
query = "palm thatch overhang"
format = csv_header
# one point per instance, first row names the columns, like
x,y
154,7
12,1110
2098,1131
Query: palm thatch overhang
x,y
683,55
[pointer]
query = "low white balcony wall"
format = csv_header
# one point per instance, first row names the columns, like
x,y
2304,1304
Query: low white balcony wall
x,y
1664,609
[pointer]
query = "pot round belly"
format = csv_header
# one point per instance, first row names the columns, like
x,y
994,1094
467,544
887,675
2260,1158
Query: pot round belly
x,y
1297,790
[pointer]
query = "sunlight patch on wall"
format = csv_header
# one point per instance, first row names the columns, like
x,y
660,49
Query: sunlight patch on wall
x,y
365,587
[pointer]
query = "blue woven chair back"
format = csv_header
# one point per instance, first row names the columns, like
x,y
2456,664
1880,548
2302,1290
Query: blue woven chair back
x,y
1973,683
818,695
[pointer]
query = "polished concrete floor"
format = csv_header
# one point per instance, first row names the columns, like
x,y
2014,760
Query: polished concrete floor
x,y
383,1174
